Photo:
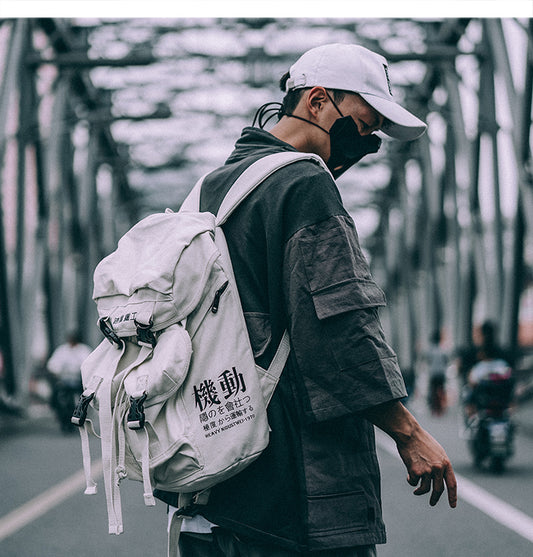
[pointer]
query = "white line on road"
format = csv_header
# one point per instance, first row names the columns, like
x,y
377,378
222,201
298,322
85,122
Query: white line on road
x,y
492,506
23,515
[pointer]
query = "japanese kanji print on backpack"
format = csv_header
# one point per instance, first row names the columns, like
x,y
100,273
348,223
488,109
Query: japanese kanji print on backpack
x,y
181,403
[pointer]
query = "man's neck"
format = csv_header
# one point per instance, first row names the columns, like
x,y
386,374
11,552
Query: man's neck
x,y
297,134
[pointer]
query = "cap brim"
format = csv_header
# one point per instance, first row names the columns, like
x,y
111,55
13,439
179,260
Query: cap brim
x,y
400,124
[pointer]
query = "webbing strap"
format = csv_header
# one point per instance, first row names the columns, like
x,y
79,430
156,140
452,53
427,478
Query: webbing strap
x,y
90,484
187,503
106,431
120,438
256,174
149,499
282,353
250,179
192,201
174,531
120,470
88,393
278,363
108,423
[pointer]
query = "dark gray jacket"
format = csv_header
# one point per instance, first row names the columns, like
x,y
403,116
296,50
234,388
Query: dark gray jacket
x,y
299,266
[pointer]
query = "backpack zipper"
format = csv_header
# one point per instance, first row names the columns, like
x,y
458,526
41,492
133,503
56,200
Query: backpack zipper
x,y
218,294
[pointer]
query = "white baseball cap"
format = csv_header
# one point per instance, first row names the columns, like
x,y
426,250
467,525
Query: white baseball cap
x,y
354,68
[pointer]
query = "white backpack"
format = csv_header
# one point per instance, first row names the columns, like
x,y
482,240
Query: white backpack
x,y
180,400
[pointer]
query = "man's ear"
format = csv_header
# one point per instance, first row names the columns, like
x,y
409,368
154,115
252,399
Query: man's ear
x,y
316,100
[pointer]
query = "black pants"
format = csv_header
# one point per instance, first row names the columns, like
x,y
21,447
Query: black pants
x,y
222,543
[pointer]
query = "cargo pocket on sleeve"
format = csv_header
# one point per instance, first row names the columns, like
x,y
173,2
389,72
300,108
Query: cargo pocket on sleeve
x,y
350,323
347,296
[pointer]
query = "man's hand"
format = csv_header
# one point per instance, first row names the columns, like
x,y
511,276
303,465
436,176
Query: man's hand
x,y
428,465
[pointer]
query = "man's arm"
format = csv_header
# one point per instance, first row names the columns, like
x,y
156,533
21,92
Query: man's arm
x,y
426,461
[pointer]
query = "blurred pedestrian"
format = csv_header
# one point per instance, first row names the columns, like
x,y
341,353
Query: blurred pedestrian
x,y
437,363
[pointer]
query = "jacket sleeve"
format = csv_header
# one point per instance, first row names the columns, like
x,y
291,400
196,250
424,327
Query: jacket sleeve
x,y
336,335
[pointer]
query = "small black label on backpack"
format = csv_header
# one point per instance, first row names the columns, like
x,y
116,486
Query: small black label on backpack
x,y
125,317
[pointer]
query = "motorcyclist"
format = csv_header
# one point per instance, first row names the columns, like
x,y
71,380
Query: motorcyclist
x,y
488,374
65,367
488,348
490,384
487,395
488,421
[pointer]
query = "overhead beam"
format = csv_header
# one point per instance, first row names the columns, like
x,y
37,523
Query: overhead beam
x,y
79,59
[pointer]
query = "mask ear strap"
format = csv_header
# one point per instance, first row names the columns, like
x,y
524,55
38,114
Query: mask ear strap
x,y
308,121
334,103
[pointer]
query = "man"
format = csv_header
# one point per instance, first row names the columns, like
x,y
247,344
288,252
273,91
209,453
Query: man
x,y
299,266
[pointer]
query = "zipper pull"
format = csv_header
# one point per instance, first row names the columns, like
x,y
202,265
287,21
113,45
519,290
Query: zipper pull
x,y
218,294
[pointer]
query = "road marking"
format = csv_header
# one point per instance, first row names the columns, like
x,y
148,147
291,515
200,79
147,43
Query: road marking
x,y
489,504
492,506
23,515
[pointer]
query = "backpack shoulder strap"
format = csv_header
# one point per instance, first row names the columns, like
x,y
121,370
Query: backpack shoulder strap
x,y
254,175
250,179
192,201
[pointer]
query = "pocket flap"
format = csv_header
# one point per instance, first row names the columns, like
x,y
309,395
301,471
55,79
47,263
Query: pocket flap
x,y
347,296
162,374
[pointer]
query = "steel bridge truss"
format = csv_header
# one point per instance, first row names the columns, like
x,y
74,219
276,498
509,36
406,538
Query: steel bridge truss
x,y
451,244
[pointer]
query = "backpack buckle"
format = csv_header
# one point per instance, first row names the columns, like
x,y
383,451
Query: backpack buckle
x,y
145,335
188,511
136,413
109,333
193,505
80,412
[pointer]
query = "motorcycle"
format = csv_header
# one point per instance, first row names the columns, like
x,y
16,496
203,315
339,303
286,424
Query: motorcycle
x,y
490,428
65,394
491,439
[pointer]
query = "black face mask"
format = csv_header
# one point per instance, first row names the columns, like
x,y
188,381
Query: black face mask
x,y
348,146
